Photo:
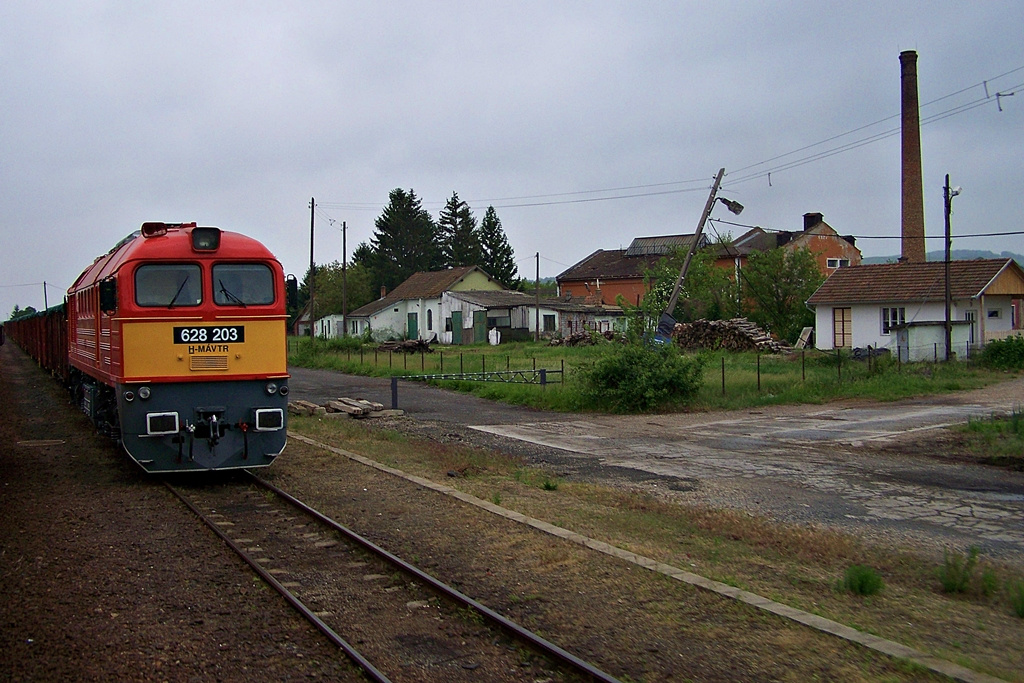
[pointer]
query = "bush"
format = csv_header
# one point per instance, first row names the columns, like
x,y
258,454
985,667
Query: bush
x,y
1017,598
1004,354
861,580
955,572
634,378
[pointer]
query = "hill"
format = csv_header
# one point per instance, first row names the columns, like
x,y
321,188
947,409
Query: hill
x,y
955,255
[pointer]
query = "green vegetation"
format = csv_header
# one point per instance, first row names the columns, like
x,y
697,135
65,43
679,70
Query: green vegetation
x,y
956,570
1017,598
594,378
1004,354
627,378
861,580
998,440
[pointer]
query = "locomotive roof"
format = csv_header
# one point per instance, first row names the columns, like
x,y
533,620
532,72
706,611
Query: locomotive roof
x,y
173,245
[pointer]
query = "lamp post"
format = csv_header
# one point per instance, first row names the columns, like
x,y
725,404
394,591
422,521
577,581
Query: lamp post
x,y
667,322
947,195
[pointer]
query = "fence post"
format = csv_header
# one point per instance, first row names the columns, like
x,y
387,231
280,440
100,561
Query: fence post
x,y
461,369
421,359
391,358
758,372
394,393
803,365
442,361
562,376
839,363
543,378
405,361
723,375
483,363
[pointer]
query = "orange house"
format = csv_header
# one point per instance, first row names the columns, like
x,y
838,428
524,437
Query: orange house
x,y
831,250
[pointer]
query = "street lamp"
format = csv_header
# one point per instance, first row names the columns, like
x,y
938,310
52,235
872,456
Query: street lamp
x,y
667,322
947,195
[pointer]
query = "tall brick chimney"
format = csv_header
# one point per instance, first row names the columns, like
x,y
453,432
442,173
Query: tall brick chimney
x,y
913,249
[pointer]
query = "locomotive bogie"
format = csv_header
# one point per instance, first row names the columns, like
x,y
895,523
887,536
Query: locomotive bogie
x,y
195,426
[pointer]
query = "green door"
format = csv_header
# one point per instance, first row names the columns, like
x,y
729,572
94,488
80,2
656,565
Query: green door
x,y
414,332
456,327
479,326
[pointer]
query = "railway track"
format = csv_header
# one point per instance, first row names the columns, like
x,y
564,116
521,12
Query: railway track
x,y
393,620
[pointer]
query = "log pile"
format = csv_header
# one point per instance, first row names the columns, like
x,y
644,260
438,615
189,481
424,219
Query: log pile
x,y
407,346
738,334
574,339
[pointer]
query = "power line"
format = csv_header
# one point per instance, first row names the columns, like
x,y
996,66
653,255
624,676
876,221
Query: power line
x,y
736,177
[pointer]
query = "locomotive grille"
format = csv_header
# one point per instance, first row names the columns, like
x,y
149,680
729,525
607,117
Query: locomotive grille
x,y
208,363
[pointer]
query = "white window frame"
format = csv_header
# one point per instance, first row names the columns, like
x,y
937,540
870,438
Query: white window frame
x,y
837,263
892,316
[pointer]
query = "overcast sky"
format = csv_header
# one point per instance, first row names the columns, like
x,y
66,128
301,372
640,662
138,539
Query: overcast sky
x,y
584,124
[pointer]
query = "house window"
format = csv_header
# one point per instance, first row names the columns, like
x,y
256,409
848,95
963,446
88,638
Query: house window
x,y
549,323
430,319
447,324
500,321
892,317
838,263
995,313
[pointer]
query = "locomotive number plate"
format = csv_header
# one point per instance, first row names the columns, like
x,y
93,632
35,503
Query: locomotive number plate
x,y
209,334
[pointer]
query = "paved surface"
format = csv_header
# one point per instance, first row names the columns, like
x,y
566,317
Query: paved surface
x,y
795,463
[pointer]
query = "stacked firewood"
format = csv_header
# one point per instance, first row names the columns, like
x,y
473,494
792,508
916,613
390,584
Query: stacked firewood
x,y
407,346
574,339
738,334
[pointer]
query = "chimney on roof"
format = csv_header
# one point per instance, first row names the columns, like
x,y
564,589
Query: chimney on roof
x,y
383,291
913,249
812,219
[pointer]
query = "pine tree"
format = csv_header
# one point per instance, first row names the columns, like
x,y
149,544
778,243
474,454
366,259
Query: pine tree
x,y
458,235
498,257
404,241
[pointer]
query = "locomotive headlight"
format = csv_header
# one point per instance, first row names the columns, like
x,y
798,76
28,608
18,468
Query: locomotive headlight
x,y
283,390
144,393
129,396
271,388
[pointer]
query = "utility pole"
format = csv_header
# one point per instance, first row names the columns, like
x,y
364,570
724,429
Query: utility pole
x,y
948,198
312,267
536,292
45,304
344,282
667,321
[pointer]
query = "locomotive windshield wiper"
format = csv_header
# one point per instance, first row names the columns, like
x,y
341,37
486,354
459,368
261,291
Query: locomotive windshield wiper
x,y
178,293
229,295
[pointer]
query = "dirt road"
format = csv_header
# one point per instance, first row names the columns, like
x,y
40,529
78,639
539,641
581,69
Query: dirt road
x,y
803,464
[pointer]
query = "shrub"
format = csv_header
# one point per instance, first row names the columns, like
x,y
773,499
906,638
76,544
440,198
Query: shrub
x,y
1017,598
1004,354
633,378
861,580
955,572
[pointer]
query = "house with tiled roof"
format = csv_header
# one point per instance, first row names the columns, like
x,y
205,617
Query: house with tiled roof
x,y
831,250
604,275
412,310
901,306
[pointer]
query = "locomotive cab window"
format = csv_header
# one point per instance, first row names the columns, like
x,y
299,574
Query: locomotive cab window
x,y
168,285
243,284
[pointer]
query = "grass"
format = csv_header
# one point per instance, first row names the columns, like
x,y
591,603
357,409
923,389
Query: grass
x,y
749,380
795,564
998,440
861,580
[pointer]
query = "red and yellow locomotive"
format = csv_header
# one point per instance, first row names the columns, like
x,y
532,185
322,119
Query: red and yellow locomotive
x,y
176,347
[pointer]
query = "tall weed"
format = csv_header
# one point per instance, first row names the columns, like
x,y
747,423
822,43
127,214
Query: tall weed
x,y
955,572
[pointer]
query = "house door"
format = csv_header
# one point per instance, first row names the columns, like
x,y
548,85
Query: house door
x,y
479,327
456,327
413,328
842,328
969,317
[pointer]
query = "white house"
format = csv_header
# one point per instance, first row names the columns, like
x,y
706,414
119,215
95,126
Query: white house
x,y
889,304
412,310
